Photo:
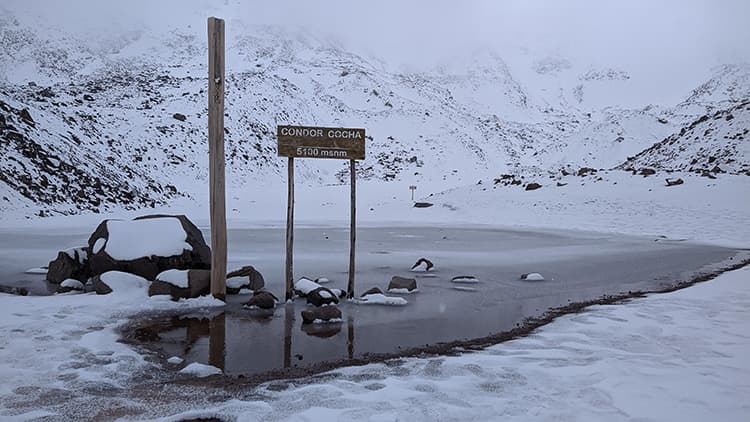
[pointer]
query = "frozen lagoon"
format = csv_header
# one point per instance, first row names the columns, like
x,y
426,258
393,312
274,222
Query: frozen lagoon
x,y
577,266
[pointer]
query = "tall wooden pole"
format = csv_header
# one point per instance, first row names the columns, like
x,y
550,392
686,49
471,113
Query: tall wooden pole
x,y
352,229
216,157
290,230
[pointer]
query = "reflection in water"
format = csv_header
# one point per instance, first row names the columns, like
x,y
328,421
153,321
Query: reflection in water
x,y
288,323
217,342
350,337
322,330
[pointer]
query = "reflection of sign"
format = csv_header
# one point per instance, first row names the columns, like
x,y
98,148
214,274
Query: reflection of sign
x,y
321,142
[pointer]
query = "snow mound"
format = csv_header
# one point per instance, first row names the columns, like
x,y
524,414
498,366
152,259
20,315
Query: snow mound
x,y
200,370
175,360
164,237
177,278
99,244
125,284
402,291
304,285
532,277
380,299
72,284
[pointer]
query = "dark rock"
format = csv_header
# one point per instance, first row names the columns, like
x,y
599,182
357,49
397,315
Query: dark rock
x,y
71,263
254,278
88,97
422,205
373,291
583,171
322,296
323,313
674,182
262,299
180,117
647,171
717,169
533,186
20,291
199,284
402,283
149,267
26,116
421,261
100,287
560,184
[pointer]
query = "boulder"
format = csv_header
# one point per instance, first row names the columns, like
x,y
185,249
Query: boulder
x,y
422,204
402,283
674,182
341,293
147,246
322,296
532,277
373,291
70,264
262,299
322,314
12,290
181,284
179,116
647,171
244,278
428,264
533,186
304,286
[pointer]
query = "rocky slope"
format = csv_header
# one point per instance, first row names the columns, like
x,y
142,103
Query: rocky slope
x,y
121,121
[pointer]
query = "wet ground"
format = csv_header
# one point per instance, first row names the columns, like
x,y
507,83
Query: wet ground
x,y
578,267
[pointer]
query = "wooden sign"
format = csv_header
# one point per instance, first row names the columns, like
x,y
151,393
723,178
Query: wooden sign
x,y
321,142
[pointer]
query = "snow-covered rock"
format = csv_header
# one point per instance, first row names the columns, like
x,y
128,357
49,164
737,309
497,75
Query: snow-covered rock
x,y
380,299
200,370
532,277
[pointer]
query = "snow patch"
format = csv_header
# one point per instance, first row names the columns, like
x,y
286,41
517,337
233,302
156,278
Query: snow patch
x,y
304,285
177,278
237,282
533,277
402,291
72,284
99,244
175,360
380,299
129,240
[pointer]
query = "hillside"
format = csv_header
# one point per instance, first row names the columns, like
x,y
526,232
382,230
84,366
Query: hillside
x,y
713,143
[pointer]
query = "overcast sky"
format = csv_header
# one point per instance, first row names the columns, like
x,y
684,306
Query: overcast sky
x,y
667,34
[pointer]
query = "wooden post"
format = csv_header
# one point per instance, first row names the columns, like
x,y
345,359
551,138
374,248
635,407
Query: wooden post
x,y
290,230
352,229
216,157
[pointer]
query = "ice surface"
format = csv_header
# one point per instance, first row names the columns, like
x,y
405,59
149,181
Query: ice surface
x,y
200,370
178,278
133,239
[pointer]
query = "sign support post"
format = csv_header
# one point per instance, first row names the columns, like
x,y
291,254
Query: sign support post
x,y
352,229
216,157
290,230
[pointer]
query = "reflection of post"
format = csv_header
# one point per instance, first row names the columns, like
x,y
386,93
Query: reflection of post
x,y
288,323
350,342
352,229
217,341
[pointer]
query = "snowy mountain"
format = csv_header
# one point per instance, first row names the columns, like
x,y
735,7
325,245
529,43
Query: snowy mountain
x,y
88,124
713,143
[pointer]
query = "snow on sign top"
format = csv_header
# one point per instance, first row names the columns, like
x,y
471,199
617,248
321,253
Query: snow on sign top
x,y
321,142
133,239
